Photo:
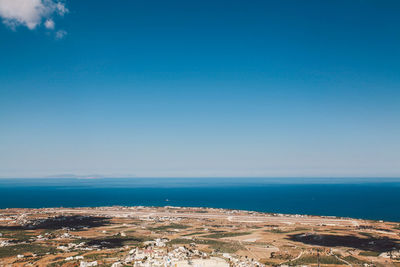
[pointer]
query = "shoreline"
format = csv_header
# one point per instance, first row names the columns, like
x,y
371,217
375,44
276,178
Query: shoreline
x,y
271,214
127,211
372,201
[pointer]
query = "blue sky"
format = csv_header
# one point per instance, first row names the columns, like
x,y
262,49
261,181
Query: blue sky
x,y
200,88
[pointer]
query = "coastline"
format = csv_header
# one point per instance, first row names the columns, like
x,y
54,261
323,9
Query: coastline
x,y
372,200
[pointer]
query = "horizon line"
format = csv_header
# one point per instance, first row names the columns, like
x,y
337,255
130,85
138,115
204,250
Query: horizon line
x,y
202,177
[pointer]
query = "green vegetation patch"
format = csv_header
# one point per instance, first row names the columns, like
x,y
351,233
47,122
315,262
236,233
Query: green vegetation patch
x,y
219,246
354,260
18,235
280,231
96,256
195,233
217,225
310,259
25,248
181,241
226,234
170,226
275,231
369,253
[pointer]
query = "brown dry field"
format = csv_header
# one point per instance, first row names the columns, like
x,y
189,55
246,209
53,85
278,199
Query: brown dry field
x,y
272,239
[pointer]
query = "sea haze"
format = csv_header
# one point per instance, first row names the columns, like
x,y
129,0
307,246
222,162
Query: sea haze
x,y
368,198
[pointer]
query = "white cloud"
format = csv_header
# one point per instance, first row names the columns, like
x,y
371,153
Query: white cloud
x,y
30,13
49,24
60,34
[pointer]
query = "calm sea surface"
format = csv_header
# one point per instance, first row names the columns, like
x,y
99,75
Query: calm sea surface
x,y
369,198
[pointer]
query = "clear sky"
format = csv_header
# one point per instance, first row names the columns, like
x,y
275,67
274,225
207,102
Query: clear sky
x,y
200,88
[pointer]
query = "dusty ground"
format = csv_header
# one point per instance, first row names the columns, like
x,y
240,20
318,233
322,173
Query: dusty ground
x,y
41,236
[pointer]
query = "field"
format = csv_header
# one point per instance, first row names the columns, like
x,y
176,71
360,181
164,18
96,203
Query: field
x,y
136,236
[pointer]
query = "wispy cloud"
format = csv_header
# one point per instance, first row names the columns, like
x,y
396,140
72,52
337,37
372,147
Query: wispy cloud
x,y
31,13
60,34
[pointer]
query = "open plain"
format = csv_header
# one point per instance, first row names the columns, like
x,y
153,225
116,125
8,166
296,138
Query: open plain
x,y
179,236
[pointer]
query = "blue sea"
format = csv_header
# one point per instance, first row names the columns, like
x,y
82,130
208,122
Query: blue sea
x,y
367,198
